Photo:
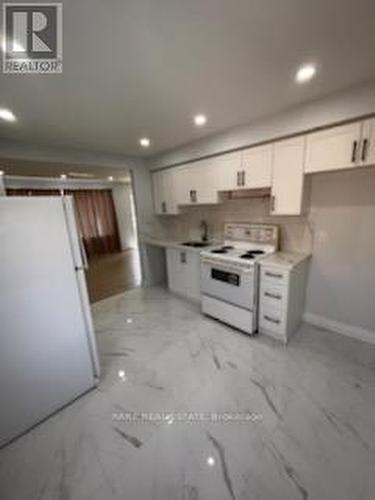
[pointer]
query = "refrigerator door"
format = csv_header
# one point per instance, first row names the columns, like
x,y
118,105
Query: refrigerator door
x,y
81,264
45,356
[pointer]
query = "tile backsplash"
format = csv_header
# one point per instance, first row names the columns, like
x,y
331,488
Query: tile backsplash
x,y
295,231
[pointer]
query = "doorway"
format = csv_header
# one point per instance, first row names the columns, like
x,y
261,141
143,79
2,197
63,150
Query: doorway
x,y
106,220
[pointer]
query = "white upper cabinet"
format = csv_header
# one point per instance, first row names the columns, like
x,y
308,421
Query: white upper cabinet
x,y
196,184
280,165
183,179
226,167
256,168
158,192
334,149
287,177
164,190
367,150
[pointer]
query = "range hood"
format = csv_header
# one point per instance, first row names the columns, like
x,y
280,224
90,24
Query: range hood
x,y
239,194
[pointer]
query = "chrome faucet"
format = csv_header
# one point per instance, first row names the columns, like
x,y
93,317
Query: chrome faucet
x,y
204,230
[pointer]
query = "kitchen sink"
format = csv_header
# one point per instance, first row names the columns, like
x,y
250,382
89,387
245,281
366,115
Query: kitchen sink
x,y
196,244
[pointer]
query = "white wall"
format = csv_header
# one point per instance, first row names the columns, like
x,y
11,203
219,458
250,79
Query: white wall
x,y
124,206
149,225
342,106
341,285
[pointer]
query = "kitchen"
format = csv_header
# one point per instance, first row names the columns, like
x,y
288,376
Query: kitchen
x,y
256,178
235,360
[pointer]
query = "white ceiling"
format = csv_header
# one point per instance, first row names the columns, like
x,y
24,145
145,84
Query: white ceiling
x,y
144,67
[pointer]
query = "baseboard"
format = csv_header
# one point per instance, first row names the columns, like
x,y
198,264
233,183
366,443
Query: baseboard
x,y
354,332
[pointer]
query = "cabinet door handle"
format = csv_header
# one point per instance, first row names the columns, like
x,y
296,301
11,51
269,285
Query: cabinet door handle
x,y
354,151
273,203
183,257
238,178
164,207
243,177
271,320
273,275
273,295
193,195
364,149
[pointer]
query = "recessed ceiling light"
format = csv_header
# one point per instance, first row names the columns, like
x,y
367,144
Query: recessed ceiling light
x,y
305,73
144,142
200,120
7,115
110,178
63,176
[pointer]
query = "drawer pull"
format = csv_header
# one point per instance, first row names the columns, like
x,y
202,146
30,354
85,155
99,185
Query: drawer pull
x,y
273,275
272,295
271,320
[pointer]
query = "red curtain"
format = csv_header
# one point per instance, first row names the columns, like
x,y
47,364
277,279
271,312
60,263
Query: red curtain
x,y
96,217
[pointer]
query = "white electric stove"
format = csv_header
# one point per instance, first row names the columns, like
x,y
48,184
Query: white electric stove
x,y
230,274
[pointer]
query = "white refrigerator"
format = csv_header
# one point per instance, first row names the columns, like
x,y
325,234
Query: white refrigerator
x,y
48,354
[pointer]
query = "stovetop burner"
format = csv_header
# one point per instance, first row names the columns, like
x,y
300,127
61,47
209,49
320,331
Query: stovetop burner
x,y
251,254
247,256
223,249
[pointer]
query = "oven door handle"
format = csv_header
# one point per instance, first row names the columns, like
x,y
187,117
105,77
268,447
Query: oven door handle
x,y
228,268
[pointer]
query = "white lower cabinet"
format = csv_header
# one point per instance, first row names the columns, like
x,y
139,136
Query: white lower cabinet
x,y
183,269
282,294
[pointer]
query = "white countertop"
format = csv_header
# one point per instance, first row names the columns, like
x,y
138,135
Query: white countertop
x,y
176,244
284,260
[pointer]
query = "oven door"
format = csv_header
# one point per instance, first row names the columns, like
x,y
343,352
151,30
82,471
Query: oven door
x,y
228,283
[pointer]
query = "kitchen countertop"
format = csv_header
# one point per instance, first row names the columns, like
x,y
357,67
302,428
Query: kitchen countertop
x,y
176,244
284,260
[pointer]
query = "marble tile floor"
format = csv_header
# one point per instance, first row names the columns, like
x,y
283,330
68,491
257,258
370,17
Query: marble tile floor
x,y
312,405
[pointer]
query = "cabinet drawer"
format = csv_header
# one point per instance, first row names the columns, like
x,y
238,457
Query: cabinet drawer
x,y
274,276
273,296
272,321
